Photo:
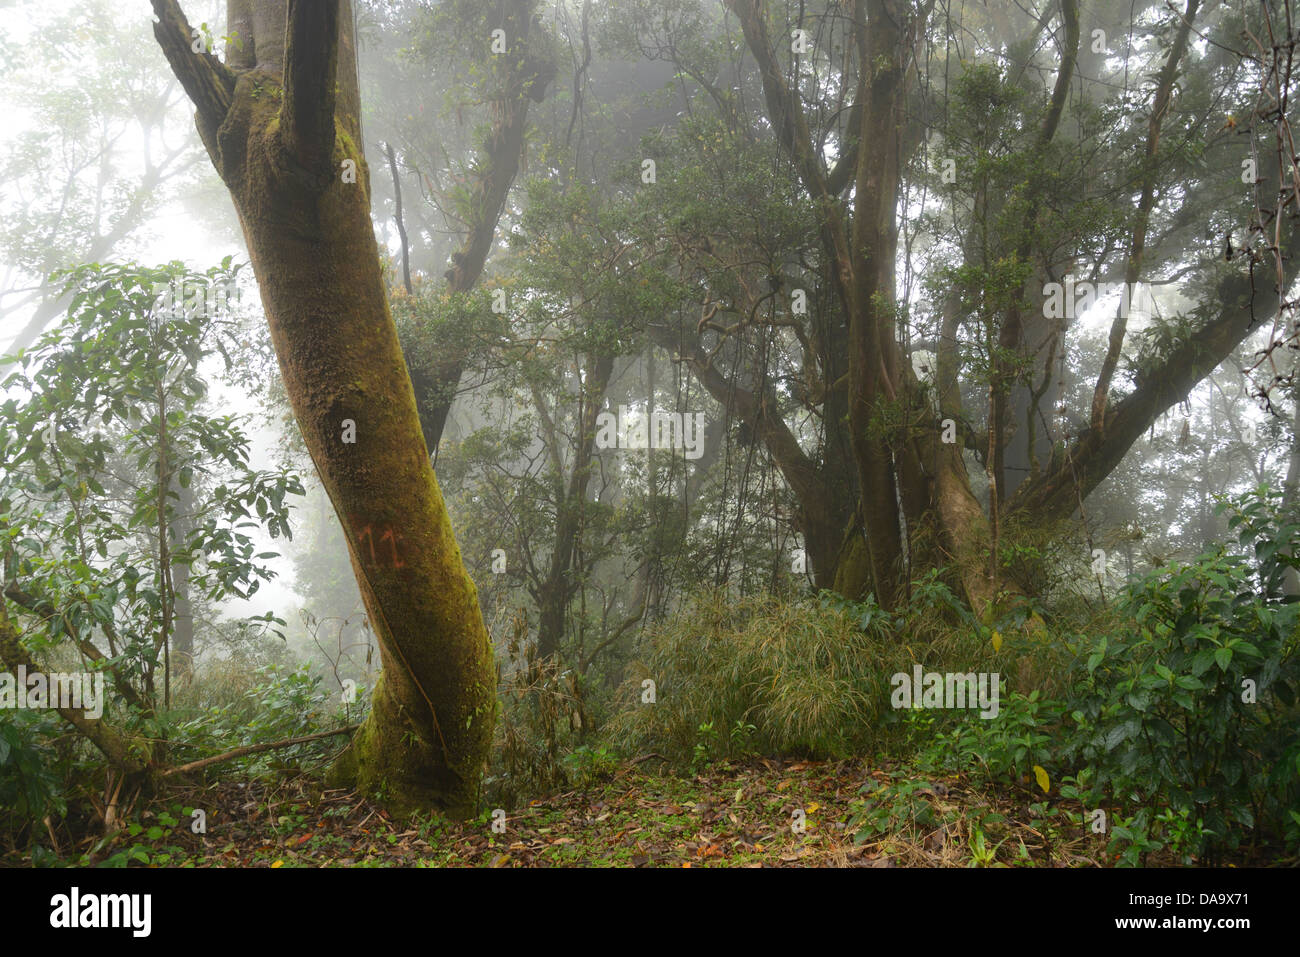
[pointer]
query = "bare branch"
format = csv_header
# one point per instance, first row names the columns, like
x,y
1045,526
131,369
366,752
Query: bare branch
x,y
254,749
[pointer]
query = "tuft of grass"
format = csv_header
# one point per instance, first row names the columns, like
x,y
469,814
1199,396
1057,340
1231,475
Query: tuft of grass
x,y
811,676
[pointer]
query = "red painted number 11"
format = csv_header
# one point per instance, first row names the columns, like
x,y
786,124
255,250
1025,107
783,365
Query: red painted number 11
x,y
389,536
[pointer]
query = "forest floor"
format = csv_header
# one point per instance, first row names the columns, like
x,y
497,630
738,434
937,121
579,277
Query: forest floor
x,y
738,814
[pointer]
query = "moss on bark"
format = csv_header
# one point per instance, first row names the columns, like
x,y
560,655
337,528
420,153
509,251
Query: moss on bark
x,y
853,568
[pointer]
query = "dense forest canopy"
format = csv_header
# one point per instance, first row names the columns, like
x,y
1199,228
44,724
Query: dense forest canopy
x,y
593,379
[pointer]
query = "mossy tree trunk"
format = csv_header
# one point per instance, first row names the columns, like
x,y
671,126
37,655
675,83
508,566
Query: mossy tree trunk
x,y
280,124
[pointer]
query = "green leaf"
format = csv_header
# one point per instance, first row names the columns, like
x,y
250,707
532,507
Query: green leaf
x,y
1202,662
1117,736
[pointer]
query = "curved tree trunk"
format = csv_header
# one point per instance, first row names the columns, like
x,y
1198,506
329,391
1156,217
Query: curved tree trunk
x,y
281,135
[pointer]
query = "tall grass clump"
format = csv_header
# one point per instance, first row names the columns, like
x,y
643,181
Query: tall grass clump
x,y
804,677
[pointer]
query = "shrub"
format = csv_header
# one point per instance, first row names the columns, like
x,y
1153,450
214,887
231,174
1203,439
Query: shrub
x,y
31,781
537,724
591,765
1194,704
1020,737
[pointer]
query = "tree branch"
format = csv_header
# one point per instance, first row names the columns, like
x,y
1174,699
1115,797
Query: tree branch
x,y
310,75
254,749
39,606
1137,244
846,166
129,755
1064,76
1096,452
209,84
618,633
799,471
787,119
401,225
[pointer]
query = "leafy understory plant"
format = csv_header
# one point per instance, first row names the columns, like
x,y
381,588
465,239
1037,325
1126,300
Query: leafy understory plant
x,y
126,500
1194,707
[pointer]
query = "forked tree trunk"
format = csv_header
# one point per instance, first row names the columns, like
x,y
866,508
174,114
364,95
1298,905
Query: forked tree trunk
x,y
282,135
